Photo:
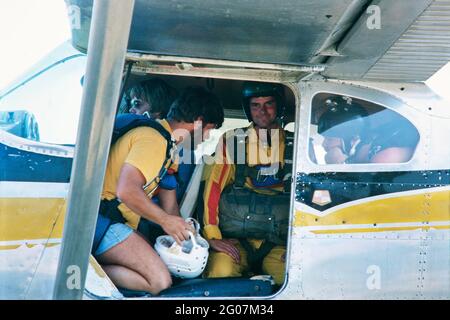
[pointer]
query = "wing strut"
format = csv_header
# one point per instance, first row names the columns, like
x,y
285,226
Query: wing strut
x,y
107,47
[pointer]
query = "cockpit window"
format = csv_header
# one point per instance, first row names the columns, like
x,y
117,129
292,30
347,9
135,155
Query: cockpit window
x,y
346,130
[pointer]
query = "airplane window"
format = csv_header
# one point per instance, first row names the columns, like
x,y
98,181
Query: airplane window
x,y
352,131
45,106
20,123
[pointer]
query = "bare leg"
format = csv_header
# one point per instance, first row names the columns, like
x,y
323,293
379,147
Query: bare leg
x,y
133,264
126,278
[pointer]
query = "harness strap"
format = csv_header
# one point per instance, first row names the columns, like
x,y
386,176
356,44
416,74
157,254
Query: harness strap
x,y
240,176
243,171
127,122
240,158
109,214
255,257
110,209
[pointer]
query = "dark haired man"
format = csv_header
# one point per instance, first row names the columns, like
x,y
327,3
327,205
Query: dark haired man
x,y
153,97
132,176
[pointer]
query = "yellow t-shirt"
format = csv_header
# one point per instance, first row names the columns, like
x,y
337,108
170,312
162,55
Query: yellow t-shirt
x,y
145,149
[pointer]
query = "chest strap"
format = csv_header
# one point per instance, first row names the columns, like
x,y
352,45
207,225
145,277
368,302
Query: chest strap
x,y
243,170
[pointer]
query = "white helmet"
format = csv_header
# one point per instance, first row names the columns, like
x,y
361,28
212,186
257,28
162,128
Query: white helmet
x,y
186,261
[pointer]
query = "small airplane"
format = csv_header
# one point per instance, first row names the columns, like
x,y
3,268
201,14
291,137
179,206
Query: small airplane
x,y
358,229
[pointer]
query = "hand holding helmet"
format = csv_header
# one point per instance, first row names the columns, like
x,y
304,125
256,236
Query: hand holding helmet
x,y
176,227
187,260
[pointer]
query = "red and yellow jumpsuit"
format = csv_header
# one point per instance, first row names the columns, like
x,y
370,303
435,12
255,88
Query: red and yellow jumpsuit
x,y
218,176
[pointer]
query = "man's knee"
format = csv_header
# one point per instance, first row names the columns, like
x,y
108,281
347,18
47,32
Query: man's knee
x,y
160,281
221,265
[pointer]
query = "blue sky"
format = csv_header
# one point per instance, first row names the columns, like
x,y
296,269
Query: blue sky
x,y
29,29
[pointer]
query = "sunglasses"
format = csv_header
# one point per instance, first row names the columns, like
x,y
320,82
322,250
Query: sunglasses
x,y
136,103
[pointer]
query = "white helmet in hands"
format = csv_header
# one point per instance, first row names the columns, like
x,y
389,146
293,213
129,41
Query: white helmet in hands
x,y
186,261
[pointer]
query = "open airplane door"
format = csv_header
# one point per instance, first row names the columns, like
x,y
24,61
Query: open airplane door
x,y
364,228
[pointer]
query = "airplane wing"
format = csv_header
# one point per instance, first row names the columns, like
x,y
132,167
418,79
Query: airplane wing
x,y
411,45
403,40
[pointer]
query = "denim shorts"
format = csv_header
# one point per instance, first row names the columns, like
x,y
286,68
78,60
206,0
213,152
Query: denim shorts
x,y
116,234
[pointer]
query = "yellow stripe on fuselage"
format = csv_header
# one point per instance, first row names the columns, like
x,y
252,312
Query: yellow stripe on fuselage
x,y
418,208
31,218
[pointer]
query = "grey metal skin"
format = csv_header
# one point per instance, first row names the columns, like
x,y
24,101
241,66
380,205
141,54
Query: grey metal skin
x,y
382,40
106,56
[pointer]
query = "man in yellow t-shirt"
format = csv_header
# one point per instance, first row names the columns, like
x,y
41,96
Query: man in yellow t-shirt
x,y
135,161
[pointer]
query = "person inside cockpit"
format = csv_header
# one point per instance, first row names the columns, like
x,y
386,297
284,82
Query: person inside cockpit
x,y
342,125
350,135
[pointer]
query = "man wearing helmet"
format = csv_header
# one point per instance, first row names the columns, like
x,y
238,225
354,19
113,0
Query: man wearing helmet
x,y
246,197
349,137
342,127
